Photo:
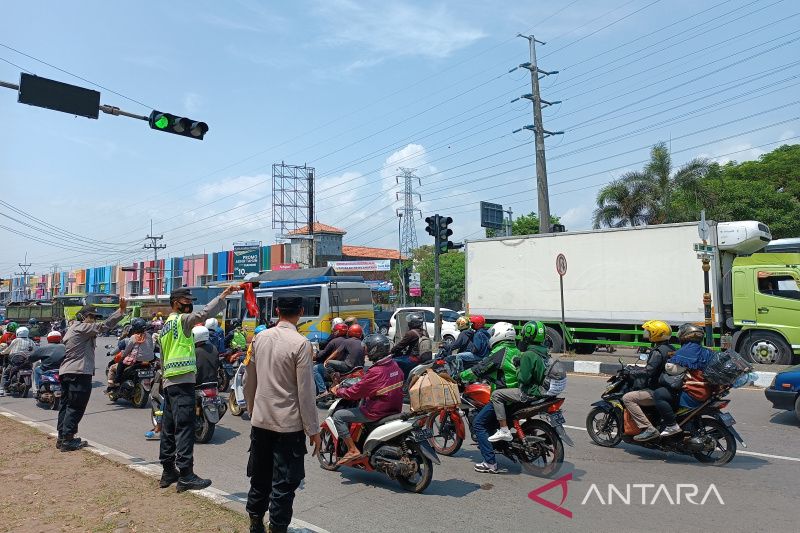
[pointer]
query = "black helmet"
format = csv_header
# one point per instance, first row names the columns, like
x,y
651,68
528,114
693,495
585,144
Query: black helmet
x,y
138,325
415,320
690,333
377,346
33,321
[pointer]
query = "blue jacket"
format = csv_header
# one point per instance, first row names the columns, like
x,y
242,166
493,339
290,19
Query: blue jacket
x,y
217,339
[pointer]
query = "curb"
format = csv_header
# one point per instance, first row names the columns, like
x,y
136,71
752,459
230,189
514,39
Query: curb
x,y
153,470
609,369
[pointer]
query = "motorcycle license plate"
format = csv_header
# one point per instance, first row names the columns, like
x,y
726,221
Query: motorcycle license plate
x,y
146,373
557,419
727,419
422,435
209,401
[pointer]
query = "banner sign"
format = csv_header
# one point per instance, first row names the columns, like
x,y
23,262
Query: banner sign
x,y
415,291
287,266
373,265
246,259
380,286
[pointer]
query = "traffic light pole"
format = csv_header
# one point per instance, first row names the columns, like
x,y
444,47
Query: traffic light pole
x,y
437,313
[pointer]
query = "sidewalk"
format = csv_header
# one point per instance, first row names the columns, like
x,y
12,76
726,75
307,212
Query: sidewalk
x,y
47,490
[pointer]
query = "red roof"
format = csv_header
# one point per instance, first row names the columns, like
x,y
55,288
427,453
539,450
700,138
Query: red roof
x,y
319,227
369,253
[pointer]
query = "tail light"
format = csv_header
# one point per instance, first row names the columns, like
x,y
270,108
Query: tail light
x,y
210,392
556,406
722,404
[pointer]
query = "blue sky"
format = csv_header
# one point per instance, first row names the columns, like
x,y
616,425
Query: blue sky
x,y
358,89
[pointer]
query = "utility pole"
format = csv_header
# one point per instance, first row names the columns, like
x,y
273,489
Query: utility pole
x,y
24,267
311,217
510,223
539,132
155,247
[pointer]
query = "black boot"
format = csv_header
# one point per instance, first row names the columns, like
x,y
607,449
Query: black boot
x,y
257,524
70,444
59,442
276,529
191,481
169,476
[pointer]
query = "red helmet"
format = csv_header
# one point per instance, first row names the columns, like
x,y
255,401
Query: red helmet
x,y
339,330
54,337
477,321
355,331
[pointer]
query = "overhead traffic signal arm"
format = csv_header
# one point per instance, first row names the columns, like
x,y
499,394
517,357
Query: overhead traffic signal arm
x,y
170,123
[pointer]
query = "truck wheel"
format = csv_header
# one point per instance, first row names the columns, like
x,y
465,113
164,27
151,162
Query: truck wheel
x,y
768,348
582,348
553,340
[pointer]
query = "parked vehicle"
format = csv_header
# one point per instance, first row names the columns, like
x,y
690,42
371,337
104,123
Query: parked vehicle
x,y
755,296
708,433
449,317
396,446
48,393
137,380
784,392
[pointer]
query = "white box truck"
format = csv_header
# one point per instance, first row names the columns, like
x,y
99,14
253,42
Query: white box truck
x,y
616,279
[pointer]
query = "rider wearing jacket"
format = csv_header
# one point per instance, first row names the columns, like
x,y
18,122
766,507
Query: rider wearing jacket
x,y
645,380
381,388
51,355
406,352
18,352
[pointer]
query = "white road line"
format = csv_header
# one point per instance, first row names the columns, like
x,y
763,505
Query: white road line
x,y
739,452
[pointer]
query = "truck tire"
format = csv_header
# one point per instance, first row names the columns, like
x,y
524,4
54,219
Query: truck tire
x,y
581,348
553,340
766,347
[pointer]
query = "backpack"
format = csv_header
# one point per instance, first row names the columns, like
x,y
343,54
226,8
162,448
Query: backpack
x,y
481,342
424,348
555,378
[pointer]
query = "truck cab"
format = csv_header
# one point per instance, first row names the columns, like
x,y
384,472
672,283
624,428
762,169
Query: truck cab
x,y
766,306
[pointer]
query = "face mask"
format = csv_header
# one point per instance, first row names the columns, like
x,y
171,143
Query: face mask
x,y
186,308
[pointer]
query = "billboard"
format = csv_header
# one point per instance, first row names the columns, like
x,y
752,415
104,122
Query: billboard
x,y
380,286
246,259
372,265
492,215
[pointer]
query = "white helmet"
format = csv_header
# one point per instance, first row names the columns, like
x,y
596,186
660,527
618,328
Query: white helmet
x,y
212,323
22,332
200,334
502,331
337,320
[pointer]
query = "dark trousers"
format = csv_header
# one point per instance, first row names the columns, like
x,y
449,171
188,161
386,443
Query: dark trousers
x,y
75,392
120,370
663,399
177,428
275,469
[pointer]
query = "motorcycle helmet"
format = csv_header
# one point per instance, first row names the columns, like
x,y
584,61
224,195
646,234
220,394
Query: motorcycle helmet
x,y
462,323
355,331
533,332
415,320
212,323
686,333
12,327
656,331
500,332
54,337
200,334
477,321
340,329
336,321
259,329
138,325
377,346
22,332
32,321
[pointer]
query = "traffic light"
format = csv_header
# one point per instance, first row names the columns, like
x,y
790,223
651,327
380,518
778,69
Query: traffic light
x,y
444,232
431,227
170,123
406,276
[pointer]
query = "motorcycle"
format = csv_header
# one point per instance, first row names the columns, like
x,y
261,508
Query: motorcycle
x,y
19,382
48,393
135,384
228,362
324,401
708,433
236,402
537,426
396,446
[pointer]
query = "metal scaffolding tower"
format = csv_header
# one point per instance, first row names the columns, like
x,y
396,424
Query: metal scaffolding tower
x,y
408,233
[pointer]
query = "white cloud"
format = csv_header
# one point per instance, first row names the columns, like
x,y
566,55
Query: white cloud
x,y
396,29
192,102
577,217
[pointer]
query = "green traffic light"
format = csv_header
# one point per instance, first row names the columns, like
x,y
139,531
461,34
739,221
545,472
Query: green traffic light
x,y
162,122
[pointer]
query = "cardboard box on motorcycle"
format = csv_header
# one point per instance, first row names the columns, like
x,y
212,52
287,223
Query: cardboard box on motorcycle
x,y
432,391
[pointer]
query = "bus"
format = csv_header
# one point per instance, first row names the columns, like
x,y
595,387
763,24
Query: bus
x,y
325,297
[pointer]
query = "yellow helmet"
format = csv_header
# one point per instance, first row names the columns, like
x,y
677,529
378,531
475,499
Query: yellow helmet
x,y
656,331
462,323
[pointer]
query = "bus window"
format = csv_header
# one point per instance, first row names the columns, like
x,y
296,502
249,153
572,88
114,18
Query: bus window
x,y
348,297
233,311
311,298
102,299
264,309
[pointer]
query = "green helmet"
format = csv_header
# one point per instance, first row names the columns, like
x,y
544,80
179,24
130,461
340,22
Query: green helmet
x,y
12,327
533,333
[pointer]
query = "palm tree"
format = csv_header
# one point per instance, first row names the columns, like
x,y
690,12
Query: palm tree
x,y
647,193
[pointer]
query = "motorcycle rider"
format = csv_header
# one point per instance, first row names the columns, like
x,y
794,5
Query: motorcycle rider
x,y
645,380
463,347
406,353
207,356
530,377
481,337
51,355
331,351
9,334
499,370
236,339
34,331
381,388
215,334
138,348
17,356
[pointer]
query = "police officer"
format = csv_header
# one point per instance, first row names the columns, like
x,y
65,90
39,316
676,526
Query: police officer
x,y
280,395
179,367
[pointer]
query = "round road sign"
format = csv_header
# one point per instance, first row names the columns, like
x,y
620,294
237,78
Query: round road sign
x,y
561,264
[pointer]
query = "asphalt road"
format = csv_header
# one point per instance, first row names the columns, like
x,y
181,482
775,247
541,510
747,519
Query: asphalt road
x,y
758,488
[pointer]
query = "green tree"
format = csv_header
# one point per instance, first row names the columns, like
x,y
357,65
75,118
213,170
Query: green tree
x,y
523,225
451,274
623,202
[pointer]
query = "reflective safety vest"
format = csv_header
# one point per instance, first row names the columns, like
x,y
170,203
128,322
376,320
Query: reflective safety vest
x,y
238,340
177,349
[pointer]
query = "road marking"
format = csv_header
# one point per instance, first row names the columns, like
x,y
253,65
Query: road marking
x,y
739,452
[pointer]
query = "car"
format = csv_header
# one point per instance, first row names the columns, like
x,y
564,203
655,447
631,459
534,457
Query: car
x,y
784,392
449,317
382,321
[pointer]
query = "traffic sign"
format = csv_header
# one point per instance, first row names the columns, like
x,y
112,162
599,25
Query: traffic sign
x,y
706,249
561,265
